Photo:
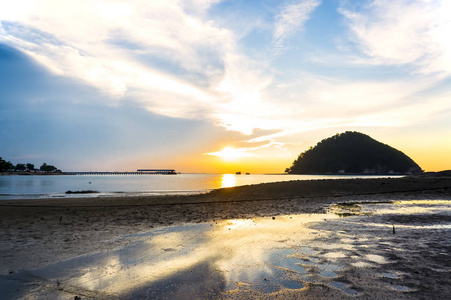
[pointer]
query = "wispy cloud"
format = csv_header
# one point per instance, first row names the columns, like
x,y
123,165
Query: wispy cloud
x,y
291,19
112,45
404,32
152,52
185,59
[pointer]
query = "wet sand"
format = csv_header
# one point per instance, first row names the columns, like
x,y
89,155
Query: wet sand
x,y
38,233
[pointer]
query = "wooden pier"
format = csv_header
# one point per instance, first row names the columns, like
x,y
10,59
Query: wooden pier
x,y
138,172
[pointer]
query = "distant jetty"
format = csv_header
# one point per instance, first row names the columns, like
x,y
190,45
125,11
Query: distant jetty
x,y
138,172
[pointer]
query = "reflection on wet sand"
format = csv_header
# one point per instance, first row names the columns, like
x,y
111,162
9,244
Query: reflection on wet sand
x,y
224,256
259,257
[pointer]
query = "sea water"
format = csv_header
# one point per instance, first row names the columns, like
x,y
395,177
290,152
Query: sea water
x,y
49,186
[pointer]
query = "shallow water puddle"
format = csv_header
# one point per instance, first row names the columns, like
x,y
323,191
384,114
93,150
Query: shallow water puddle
x,y
328,273
389,275
221,256
261,255
402,288
344,287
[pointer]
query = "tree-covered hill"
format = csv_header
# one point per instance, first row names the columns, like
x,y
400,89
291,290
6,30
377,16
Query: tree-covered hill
x,y
353,153
8,167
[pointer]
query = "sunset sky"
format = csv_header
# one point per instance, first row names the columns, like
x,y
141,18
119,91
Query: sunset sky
x,y
220,86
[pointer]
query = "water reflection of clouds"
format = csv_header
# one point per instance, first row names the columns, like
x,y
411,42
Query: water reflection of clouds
x,y
144,262
108,273
198,260
240,251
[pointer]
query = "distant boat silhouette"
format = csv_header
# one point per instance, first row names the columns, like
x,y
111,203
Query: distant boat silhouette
x,y
238,173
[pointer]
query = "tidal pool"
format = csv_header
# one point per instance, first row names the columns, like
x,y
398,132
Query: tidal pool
x,y
261,257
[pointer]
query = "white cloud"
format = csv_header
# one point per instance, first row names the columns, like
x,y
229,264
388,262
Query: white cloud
x,y
106,44
291,19
401,32
243,107
313,102
113,45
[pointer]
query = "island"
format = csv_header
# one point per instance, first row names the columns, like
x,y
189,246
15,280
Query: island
x,y
353,153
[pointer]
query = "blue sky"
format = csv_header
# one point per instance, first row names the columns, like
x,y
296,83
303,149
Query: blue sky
x,y
122,85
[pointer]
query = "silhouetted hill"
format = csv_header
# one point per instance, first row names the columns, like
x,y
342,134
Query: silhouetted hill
x,y
353,153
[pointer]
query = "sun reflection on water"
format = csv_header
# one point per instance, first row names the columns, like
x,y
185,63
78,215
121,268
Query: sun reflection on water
x,y
228,180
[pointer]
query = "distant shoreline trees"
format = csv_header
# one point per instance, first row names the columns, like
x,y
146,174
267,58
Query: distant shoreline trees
x,y
7,166
20,167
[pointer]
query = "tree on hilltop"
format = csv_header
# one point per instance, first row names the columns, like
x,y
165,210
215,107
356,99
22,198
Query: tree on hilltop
x,y
5,165
47,168
20,167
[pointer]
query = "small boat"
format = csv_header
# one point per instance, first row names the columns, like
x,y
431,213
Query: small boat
x,y
238,173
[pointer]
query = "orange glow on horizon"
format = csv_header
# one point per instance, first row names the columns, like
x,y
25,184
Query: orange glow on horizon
x,y
432,155
230,154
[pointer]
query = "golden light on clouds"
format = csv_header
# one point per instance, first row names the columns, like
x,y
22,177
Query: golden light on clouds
x,y
230,154
197,74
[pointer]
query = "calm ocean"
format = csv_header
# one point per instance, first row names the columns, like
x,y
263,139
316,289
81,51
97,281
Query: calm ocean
x,y
29,187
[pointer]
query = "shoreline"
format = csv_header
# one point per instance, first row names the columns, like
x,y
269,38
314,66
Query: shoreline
x,y
314,188
55,229
36,233
30,174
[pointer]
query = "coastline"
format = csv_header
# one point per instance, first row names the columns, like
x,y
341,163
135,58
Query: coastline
x,y
27,223
31,173
35,233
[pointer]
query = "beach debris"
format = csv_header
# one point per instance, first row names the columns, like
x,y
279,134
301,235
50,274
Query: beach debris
x,y
81,192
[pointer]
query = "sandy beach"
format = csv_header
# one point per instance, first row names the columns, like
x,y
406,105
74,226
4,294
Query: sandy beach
x,y
36,234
